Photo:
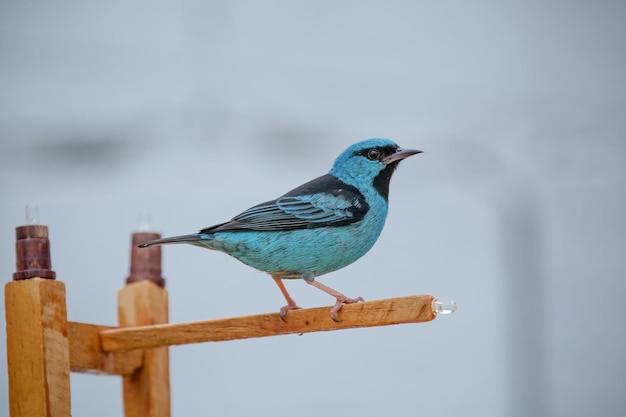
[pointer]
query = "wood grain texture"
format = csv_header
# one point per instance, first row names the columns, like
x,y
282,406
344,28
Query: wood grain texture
x,y
410,309
147,390
37,348
87,356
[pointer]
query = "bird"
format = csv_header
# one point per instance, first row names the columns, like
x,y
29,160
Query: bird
x,y
319,227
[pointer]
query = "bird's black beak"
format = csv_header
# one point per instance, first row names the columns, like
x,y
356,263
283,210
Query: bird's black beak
x,y
399,155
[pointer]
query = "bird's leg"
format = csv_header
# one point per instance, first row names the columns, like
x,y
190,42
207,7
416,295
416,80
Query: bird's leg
x,y
341,299
291,305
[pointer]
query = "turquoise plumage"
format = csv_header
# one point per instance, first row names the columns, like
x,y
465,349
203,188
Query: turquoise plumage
x,y
316,228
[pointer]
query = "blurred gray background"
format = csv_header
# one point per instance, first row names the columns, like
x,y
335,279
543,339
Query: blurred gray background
x,y
192,111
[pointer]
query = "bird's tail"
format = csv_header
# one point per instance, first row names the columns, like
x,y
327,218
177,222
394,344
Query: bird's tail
x,y
174,239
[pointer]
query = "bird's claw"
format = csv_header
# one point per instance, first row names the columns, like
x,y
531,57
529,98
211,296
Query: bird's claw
x,y
340,303
285,309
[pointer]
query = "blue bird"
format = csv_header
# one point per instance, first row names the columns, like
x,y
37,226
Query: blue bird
x,y
316,228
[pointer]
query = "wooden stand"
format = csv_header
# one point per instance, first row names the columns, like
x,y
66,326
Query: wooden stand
x,y
37,348
37,332
144,302
42,346
147,390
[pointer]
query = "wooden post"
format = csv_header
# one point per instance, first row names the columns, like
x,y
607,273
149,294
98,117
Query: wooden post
x,y
144,301
37,331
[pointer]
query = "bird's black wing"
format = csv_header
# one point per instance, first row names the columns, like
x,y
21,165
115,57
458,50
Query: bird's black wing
x,y
324,201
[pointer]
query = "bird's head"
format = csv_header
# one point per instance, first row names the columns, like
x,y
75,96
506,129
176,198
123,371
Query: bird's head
x,y
370,163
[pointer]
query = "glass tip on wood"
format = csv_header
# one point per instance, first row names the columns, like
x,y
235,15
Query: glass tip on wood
x,y
443,306
31,212
143,222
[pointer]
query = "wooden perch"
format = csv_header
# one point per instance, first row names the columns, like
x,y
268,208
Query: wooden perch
x,y
410,309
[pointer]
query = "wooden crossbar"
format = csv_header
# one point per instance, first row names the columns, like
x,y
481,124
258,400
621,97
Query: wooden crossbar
x,y
86,354
409,309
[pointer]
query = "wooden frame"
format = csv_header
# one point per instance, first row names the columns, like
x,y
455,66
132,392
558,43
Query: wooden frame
x,y
43,347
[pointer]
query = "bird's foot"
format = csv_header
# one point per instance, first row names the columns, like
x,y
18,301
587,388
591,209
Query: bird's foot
x,y
340,302
285,309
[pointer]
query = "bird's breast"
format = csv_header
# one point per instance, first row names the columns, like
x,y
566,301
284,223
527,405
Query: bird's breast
x,y
293,253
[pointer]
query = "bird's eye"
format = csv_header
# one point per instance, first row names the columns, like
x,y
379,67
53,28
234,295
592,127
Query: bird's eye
x,y
373,154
